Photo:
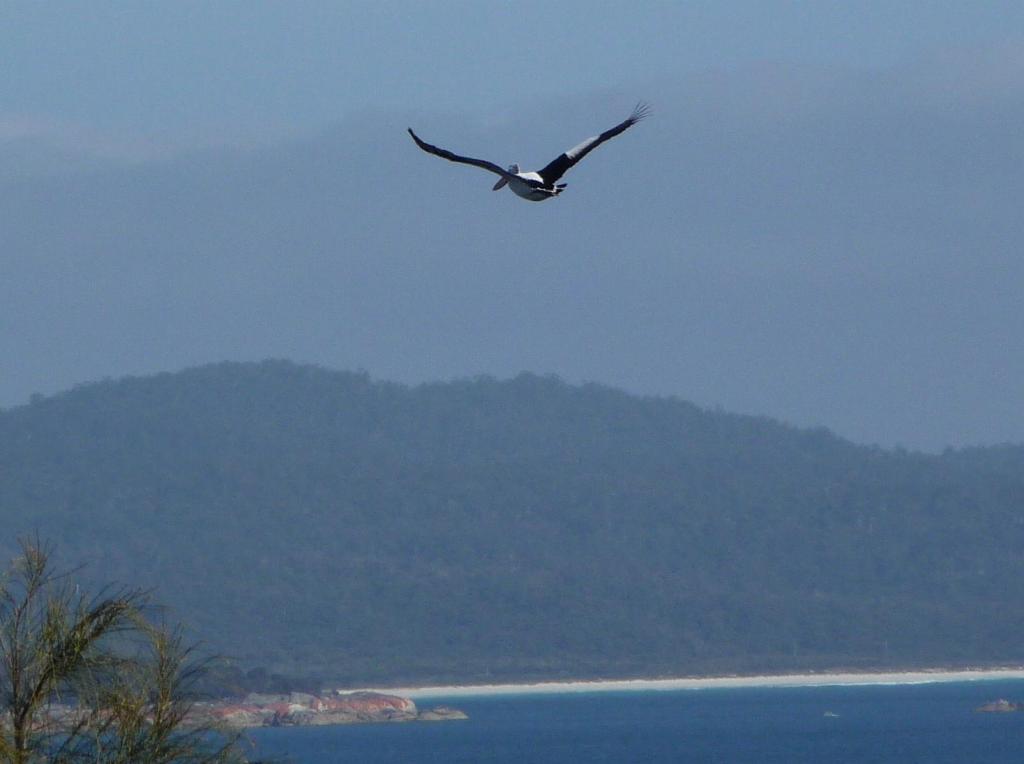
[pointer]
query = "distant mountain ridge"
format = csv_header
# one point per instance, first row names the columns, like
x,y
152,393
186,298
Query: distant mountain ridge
x,y
321,522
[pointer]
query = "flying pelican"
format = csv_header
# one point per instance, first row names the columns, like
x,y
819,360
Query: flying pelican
x,y
540,185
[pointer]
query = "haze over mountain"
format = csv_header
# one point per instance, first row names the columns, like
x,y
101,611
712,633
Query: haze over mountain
x,y
820,223
321,523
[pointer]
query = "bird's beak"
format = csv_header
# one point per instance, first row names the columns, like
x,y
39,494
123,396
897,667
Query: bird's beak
x,y
499,184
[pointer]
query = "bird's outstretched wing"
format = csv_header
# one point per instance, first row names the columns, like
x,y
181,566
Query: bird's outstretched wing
x,y
558,167
445,154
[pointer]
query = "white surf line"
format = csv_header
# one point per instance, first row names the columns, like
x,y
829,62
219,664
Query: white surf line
x,y
824,679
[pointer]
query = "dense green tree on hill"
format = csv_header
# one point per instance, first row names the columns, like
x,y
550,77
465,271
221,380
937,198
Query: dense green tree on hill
x,y
312,521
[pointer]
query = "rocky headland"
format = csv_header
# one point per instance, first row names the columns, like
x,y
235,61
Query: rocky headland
x,y
305,709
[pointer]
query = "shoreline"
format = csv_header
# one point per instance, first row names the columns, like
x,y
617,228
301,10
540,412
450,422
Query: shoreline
x,y
822,679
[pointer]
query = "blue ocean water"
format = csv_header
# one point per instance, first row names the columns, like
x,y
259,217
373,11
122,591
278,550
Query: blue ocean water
x,y
932,723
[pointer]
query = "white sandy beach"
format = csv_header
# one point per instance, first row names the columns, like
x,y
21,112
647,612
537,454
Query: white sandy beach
x,y
823,679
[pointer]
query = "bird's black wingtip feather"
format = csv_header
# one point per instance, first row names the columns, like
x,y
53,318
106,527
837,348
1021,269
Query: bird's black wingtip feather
x,y
642,110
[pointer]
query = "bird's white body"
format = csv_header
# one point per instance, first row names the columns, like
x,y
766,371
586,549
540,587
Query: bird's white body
x,y
525,184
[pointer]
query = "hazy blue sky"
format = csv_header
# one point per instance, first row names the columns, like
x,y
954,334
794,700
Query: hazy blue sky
x,y
182,71
821,222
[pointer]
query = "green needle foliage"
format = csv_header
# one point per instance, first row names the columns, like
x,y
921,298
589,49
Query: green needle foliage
x,y
87,678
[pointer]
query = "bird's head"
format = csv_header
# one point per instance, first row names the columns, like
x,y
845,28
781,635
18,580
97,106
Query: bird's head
x,y
512,168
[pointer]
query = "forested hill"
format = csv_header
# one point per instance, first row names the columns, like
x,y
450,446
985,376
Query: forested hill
x,y
321,522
